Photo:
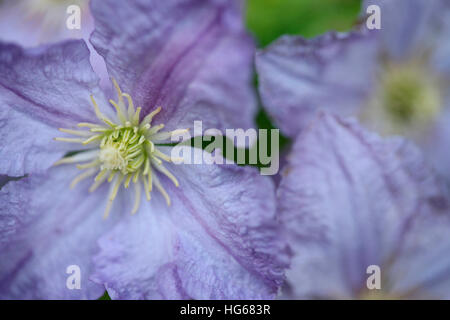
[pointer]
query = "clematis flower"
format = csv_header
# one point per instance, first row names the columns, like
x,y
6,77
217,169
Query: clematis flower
x,y
353,203
395,80
172,231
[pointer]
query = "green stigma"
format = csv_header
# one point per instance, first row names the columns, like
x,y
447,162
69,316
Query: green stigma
x,y
123,151
407,100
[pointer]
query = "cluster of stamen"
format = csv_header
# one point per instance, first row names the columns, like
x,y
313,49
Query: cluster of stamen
x,y
410,94
123,152
407,99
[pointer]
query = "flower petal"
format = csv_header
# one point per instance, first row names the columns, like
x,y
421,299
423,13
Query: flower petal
x,y
410,26
44,228
346,200
218,240
435,143
192,58
297,77
41,89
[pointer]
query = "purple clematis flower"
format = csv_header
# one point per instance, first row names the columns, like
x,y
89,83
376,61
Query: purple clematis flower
x,y
395,80
364,216
208,232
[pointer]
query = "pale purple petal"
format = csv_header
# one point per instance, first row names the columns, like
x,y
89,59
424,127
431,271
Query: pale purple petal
x,y
297,77
46,227
434,144
4,180
191,57
422,265
347,200
410,26
42,89
218,240
30,23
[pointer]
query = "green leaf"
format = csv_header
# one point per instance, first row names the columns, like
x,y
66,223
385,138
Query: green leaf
x,y
269,19
105,296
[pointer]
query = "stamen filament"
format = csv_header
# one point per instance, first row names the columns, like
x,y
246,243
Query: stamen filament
x,y
128,180
147,190
88,125
120,114
76,132
150,116
81,177
113,194
161,155
131,113
91,164
99,114
137,197
98,182
101,174
154,130
74,140
163,170
79,157
91,139
162,190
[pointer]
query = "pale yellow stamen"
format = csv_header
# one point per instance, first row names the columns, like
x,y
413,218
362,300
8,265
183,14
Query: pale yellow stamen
x,y
154,130
79,157
98,181
76,132
124,152
137,197
163,170
150,116
74,140
81,177
162,190
113,195
164,136
99,114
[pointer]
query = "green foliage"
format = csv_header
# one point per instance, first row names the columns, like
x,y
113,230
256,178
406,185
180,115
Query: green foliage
x,y
105,296
269,19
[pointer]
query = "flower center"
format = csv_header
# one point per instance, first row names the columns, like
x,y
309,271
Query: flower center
x,y
122,152
407,100
409,95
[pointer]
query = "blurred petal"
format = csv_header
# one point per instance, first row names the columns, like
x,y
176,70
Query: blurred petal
x,y
422,266
410,26
441,50
218,240
192,58
297,77
42,89
347,200
46,227
435,143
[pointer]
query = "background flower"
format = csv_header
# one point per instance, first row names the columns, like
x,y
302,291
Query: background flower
x,y
349,200
394,79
